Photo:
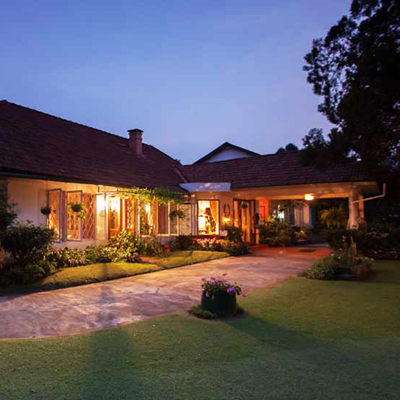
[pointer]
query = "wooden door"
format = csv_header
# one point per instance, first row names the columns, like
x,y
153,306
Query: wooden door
x,y
114,216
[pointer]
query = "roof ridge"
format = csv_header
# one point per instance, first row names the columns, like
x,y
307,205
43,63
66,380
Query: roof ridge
x,y
65,120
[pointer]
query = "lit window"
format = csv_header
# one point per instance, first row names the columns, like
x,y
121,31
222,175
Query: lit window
x,y
54,220
208,217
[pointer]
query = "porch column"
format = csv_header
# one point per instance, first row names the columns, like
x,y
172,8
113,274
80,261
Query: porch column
x,y
354,210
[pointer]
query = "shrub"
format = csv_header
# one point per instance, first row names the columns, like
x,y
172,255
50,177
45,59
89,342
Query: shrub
x,y
277,233
235,248
212,244
7,214
378,241
27,242
152,247
182,243
14,273
324,269
66,258
234,233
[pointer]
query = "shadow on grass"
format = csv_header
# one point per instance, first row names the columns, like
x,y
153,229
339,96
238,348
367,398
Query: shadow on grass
x,y
112,358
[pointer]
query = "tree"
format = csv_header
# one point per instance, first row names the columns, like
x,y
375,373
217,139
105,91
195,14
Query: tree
x,y
356,69
288,147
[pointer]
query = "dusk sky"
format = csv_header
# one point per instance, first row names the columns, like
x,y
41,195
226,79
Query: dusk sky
x,y
191,74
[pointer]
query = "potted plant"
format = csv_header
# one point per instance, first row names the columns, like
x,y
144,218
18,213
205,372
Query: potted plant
x,y
45,210
77,208
219,296
176,214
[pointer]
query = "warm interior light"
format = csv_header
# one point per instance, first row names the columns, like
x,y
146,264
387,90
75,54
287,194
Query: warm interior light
x,y
147,208
309,197
226,220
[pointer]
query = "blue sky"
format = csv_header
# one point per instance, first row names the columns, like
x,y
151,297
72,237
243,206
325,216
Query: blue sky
x,y
190,73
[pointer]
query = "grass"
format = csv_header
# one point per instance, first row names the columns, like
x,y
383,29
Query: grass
x,y
92,273
188,257
304,339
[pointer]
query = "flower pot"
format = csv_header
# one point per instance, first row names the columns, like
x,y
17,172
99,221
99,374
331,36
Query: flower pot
x,y
362,271
220,303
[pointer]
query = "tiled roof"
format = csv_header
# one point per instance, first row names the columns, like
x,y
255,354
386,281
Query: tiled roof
x,y
37,143
270,170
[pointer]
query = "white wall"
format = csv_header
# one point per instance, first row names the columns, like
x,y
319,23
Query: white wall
x,y
228,154
30,195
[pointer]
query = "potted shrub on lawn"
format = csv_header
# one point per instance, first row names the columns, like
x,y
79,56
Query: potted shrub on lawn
x,y
219,296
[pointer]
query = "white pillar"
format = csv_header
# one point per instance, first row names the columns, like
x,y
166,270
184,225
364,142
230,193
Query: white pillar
x,y
354,211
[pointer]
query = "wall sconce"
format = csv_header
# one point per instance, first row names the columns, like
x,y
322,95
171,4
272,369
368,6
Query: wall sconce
x,y
147,208
226,220
309,197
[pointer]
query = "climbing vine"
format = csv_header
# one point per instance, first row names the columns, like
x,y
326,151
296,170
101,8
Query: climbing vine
x,y
161,195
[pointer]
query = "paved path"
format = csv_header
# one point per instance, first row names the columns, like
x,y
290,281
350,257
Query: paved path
x,y
107,304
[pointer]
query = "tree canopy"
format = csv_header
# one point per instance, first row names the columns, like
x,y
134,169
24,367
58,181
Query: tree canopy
x,y
356,69
288,147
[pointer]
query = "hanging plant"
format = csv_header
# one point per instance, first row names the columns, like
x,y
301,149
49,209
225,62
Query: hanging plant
x,y
45,210
77,208
176,214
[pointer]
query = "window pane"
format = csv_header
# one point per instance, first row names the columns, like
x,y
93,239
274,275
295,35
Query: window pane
x,y
174,221
54,220
74,222
162,219
208,217
146,219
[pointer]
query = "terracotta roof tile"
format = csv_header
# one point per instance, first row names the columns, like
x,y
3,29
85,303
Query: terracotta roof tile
x,y
270,170
38,143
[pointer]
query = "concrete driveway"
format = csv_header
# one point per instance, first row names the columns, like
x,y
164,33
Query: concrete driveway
x,y
107,304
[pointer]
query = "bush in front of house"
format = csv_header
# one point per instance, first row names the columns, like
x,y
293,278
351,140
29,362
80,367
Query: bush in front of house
x,y
379,241
324,269
28,246
182,242
277,233
235,248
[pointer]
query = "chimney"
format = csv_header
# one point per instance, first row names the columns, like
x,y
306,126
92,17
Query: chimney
x,y
135,141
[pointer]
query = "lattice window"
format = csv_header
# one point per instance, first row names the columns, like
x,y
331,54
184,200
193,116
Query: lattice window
x,y
74,222
54,218
129,215
89,223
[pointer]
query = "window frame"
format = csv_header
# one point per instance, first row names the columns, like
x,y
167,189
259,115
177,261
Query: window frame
x,y
169,222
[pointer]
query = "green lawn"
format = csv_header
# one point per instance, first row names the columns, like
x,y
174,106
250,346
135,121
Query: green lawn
x,y
94,273
304,339
107,271
181,258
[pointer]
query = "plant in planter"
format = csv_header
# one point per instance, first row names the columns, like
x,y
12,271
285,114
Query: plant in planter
x,y
45,210
77,208
176,214
219,296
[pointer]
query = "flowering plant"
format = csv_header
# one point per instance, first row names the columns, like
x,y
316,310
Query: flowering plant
x,y
220,284
167,248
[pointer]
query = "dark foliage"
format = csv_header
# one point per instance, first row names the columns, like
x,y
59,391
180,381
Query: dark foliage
x,y
288,147
7,213
356,69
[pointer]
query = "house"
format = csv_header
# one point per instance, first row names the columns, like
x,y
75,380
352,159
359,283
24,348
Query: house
x,y
46,160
